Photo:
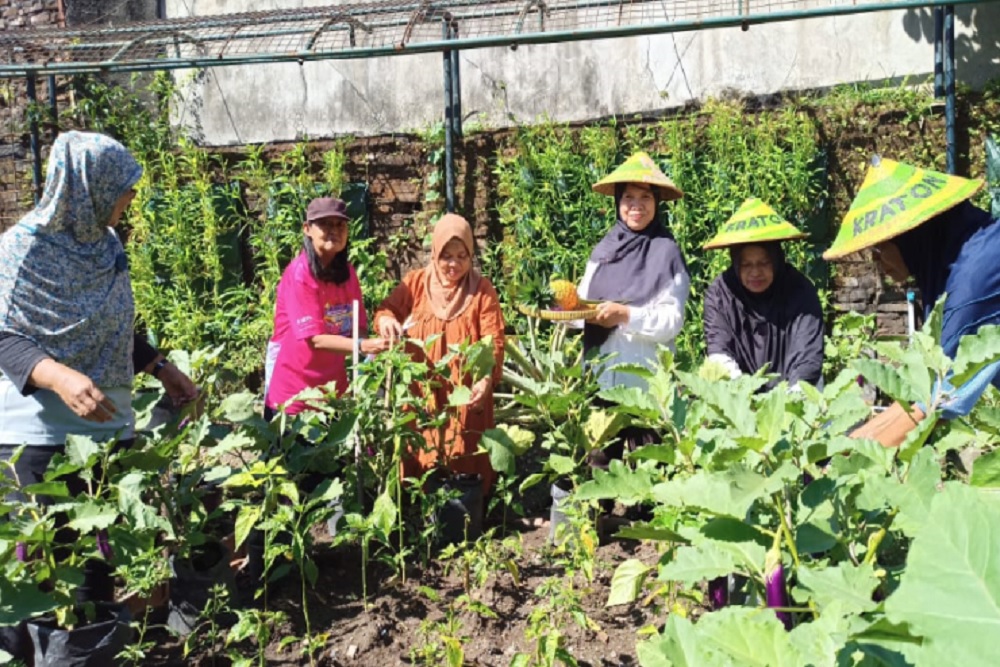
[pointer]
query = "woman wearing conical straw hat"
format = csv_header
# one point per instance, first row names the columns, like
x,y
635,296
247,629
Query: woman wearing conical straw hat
x,y
919,223
762,312
638,274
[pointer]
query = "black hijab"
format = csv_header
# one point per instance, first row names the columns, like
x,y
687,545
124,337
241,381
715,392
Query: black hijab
x,y
336,272
631,266
781,328
956,252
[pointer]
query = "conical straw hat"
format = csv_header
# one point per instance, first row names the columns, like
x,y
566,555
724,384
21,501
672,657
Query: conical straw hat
x,y
754,222
895,198
639,168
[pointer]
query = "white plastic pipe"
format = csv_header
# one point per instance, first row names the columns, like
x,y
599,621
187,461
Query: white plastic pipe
x,y
911,313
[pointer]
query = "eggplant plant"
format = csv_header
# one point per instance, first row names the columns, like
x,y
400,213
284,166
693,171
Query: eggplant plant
x,y
826,530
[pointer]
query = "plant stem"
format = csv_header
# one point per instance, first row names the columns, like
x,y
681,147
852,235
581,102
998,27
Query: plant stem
x,y
786,531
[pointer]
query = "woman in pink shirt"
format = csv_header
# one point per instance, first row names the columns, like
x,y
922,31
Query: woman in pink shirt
x,y
312,318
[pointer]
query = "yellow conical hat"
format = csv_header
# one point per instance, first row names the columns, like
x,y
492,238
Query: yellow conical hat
x,y
639,168
895,198
754,222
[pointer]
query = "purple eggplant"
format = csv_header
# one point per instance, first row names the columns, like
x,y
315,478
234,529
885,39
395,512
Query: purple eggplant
x,y
104,545
718,593
21,551
774,584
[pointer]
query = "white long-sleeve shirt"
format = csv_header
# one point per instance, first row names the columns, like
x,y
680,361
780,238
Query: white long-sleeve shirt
x,y
650,324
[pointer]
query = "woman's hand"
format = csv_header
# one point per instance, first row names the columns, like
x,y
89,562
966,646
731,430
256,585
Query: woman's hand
x,y
178,385
479,392
374,345
82,396
891,427
389,327
611,314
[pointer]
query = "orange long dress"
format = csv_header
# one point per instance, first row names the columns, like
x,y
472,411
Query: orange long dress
x,y
481,319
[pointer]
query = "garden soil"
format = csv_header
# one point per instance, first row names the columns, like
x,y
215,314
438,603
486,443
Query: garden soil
x,y
387,630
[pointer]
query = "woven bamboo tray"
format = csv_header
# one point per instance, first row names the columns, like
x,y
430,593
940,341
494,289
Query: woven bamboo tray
x,y
561,315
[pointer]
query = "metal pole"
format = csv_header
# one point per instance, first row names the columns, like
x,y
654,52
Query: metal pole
x,y
456,87
949,88
938,52
53,106
449,149
36,147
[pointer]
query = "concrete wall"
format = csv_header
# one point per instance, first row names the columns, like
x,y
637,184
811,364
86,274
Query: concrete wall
x,y
570,81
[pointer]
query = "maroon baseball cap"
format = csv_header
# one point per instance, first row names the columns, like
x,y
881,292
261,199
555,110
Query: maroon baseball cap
x,y
326,207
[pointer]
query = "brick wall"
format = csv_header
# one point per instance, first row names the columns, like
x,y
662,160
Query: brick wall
x,y
15,152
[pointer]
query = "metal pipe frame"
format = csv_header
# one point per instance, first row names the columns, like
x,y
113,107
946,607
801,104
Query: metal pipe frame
x,y
938,52
951,159
8,70
36,144
449,139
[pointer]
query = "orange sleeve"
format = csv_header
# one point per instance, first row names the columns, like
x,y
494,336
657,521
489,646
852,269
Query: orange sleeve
x,y
491,324
399,303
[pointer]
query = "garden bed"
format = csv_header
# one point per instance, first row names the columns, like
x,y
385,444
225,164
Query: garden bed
x,y
388,629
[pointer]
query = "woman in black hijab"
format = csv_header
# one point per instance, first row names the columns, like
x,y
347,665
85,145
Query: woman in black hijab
x,y
762,313
638,274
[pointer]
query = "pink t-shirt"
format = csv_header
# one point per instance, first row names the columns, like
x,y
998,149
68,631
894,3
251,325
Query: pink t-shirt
x,y
307,307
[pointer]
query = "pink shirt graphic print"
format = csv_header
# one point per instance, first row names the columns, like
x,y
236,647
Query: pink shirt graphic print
x,y
307,307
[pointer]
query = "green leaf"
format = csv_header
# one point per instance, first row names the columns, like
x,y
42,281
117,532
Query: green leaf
x,y
986,470
771,418
627,582
92,515
846,586
728,529
627,485
914,497
749,638
522,438
81,449
383,515
819,640
888,379
632,400
678,646
50,489
561,465
950,591
724,493
658,453
643,531
710,559
917,438
238,407
20,600
603,425
459,396
501,450
245,521
883,644
975,352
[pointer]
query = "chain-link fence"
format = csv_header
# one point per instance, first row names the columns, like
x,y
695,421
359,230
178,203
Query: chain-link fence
x,y
386,27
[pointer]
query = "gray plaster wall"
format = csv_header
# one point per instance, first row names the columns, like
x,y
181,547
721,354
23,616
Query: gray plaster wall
x,y
569,81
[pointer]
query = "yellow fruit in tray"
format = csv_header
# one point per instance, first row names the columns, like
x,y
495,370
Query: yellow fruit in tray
x,y
564,293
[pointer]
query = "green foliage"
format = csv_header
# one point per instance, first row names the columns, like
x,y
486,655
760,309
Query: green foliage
x,y
209,236
719,157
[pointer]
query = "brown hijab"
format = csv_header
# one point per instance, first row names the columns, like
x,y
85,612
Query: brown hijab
x,y
448,302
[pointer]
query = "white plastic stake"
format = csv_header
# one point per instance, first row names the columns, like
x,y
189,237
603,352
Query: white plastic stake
x,y
911,313
355,358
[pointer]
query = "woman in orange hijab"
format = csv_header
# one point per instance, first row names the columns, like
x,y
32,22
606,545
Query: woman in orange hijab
x,y
452,300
